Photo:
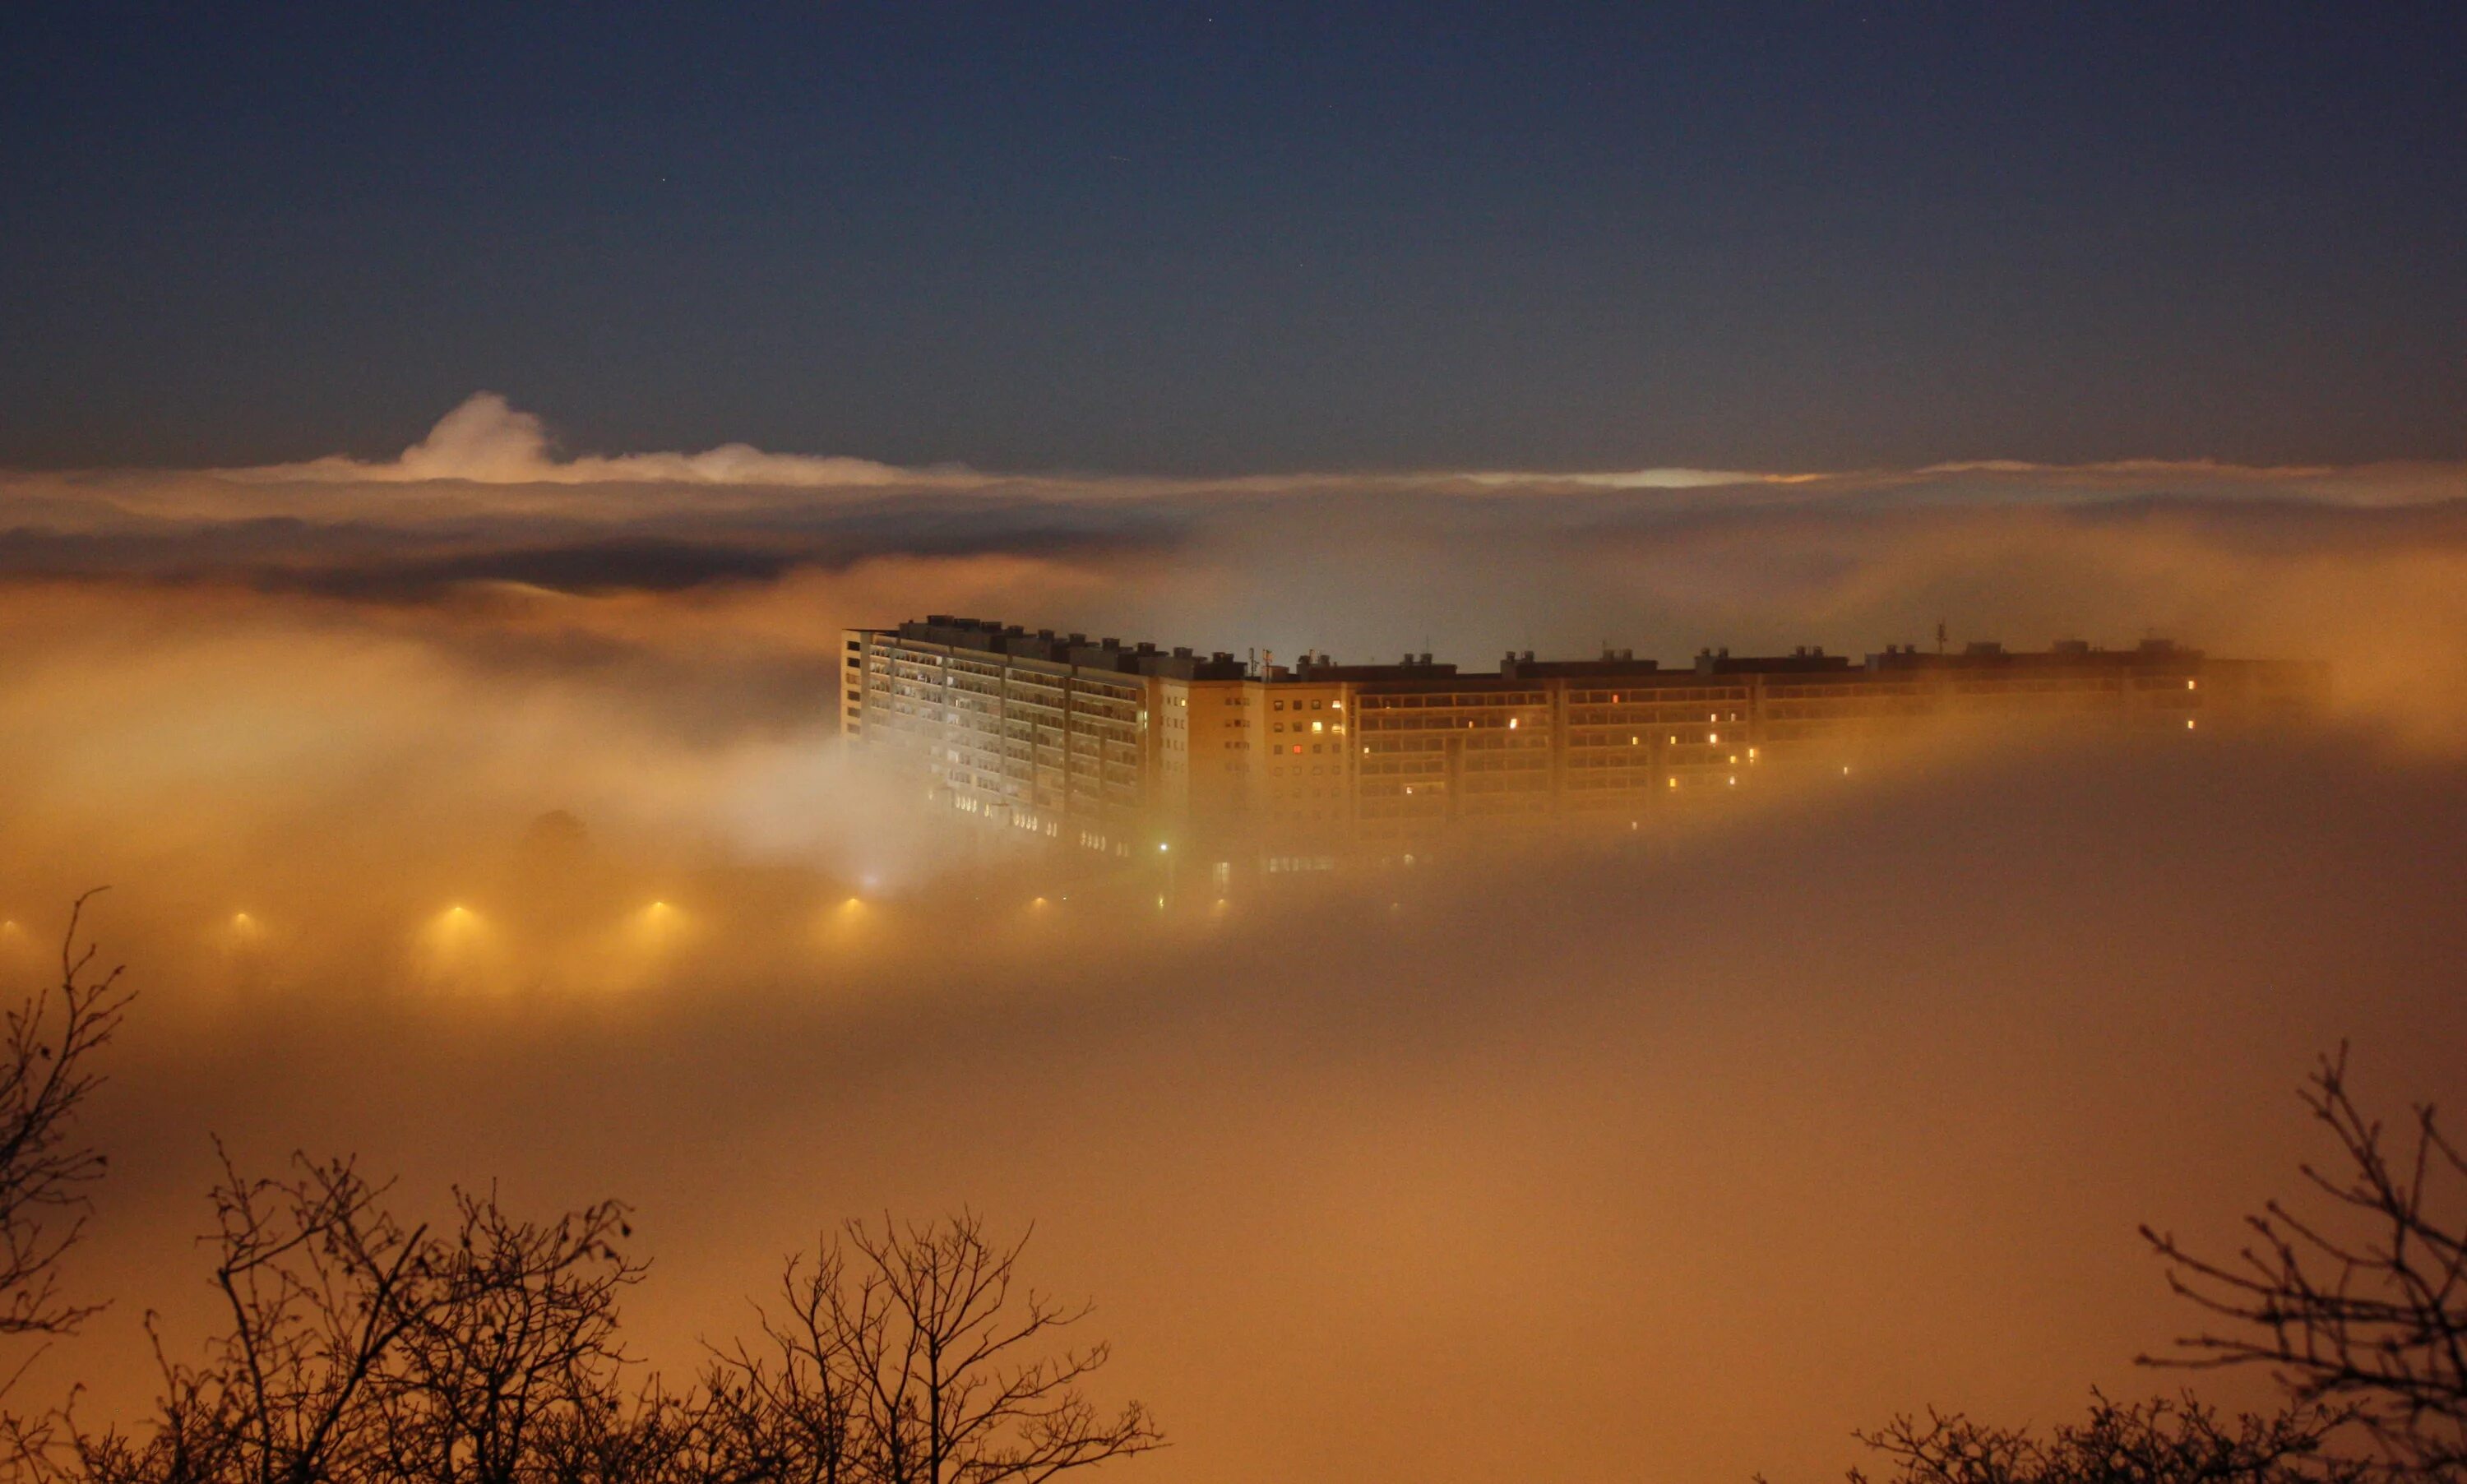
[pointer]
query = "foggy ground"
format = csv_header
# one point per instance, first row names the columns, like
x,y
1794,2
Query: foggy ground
x,y
1704,1158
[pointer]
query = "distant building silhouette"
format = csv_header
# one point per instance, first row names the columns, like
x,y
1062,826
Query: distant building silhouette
x,y
1123,749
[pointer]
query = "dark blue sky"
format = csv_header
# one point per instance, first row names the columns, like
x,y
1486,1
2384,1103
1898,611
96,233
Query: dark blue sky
x,y
1228,238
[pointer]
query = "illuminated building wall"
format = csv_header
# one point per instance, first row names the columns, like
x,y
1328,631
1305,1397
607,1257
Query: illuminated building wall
x,y
1070,738
1127,748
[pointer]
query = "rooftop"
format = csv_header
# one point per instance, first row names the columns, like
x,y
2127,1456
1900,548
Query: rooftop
x,y
1108,653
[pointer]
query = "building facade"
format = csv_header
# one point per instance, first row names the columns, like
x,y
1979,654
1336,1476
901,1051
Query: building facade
x,y
1123,749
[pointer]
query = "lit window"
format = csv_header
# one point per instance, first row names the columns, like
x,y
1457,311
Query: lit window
x,y
1318,726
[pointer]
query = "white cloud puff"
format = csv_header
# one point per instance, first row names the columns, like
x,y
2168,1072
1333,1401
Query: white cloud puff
x,y
487,440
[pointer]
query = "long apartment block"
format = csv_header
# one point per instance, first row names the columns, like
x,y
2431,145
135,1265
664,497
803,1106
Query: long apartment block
x,y
1129,747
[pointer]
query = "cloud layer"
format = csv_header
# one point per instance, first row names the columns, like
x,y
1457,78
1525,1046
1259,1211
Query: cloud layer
x,y
486,456
2364,567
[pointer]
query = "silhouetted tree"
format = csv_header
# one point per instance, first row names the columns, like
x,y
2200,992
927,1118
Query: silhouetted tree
x,y
2362,1305
357,1348
788,1410
913,1354
512,1356
2157,1441
47,1072
354,1346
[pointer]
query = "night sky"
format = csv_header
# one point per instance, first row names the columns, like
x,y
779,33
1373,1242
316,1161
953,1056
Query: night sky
x,y
1240,238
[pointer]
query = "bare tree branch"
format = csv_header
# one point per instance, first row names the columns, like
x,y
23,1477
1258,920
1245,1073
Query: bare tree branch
x,y
47,1072
2362,1304
911,1354
2157,1441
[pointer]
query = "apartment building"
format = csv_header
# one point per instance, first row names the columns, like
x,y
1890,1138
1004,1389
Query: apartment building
x,y
1124,749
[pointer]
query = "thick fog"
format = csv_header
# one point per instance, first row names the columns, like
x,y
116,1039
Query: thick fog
x,y
1680,1159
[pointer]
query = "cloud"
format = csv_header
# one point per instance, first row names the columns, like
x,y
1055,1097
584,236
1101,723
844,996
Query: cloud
x,y
510,456
2363,567
487,441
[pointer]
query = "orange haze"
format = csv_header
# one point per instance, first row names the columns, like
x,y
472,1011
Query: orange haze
x,y
1678,1162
